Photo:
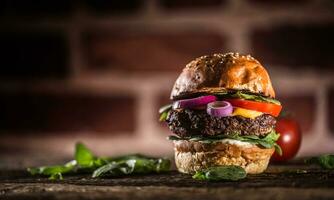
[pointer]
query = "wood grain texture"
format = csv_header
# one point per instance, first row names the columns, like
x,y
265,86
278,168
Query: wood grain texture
x,y
278,182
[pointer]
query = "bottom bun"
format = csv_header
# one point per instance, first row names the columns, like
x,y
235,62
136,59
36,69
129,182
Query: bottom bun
x,y
191,156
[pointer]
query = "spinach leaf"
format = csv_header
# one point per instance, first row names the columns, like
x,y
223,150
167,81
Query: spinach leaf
x,y
163,116
55,171
86,162
83,155
252,137
325,161
114,168
253,97
278,149
133,165
163,111
230,172
269,141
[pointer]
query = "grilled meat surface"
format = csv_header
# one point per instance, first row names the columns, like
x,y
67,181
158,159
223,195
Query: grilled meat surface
x,y
186,122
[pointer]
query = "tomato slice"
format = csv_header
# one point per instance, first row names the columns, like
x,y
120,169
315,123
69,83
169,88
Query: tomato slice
x,y
269,108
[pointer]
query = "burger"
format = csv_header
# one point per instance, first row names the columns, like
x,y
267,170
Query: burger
x,y
223,113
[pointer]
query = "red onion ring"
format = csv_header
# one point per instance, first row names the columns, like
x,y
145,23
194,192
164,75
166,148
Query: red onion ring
x,y
219,109
194,102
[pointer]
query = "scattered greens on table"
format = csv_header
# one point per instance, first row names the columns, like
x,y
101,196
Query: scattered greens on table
x,y
325,161
268,141
133,164
231,173
86,162
56,171
234,173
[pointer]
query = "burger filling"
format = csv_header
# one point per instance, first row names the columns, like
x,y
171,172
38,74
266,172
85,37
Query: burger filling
x,y
186,122
235,116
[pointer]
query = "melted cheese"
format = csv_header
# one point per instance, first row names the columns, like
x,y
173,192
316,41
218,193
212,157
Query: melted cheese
x,y
246,113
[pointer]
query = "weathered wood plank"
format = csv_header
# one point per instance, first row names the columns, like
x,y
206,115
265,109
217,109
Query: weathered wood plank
x,y
288,182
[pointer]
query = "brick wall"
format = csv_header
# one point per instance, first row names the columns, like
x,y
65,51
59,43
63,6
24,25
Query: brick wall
x,y
97,71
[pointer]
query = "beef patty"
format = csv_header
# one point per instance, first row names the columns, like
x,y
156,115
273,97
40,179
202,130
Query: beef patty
x,y
185,122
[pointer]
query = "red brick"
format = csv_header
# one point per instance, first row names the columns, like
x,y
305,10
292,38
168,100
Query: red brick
x,y
66,112
301,108
295,46
330,110
113,7
139,52
30,55
190,4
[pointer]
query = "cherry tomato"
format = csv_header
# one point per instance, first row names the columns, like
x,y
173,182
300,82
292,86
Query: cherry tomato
x,y
289,140
269,108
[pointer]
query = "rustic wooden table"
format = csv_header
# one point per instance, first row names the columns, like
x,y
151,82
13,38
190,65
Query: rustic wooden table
x,y
278,182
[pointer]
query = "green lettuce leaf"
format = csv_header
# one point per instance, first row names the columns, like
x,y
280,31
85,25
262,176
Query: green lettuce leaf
x,y
268,141
163,111
252,97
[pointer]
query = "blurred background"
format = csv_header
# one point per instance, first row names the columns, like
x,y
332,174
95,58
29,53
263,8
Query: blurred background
x,y
97,71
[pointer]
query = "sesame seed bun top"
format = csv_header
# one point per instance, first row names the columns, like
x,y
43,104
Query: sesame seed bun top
x,y
223,72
